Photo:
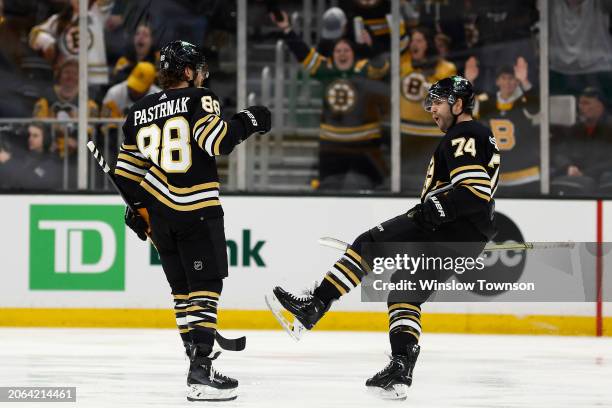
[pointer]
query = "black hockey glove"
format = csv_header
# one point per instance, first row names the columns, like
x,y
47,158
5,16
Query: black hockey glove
x,y
256,119
136,223
434,212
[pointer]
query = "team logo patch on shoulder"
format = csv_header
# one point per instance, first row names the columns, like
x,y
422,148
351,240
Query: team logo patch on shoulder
x,y
197,265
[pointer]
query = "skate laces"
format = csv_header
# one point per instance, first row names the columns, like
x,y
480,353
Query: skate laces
x,y
303,296
214,374
392,359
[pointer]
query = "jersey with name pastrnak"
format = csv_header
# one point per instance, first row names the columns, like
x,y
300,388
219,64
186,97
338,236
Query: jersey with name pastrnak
x,y
465,166
167,159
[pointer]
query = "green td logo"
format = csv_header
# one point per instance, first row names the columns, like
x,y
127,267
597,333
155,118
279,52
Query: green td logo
x,y
77,247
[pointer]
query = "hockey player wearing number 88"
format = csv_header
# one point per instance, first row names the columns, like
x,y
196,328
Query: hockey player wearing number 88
x,y
166,166
456,206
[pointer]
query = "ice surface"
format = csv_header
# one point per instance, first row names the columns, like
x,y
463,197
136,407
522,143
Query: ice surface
x,y
146,368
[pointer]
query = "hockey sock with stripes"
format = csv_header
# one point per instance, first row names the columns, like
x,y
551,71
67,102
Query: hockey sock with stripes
x,y
346,274
404,326
181,302
202,312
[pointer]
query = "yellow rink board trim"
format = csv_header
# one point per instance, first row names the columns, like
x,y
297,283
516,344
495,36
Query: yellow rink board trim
x,y
262,319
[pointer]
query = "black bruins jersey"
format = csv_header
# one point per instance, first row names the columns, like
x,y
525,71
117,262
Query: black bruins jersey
x,y
514,123
167,159
465,166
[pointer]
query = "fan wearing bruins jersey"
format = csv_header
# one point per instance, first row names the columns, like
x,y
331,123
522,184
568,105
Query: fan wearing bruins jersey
x,y
456,206
513,118
354,103
420,67
166,166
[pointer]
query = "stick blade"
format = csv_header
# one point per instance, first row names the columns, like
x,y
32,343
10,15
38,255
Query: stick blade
x,y
237,344
333,243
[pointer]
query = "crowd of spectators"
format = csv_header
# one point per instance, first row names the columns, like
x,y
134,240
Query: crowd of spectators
x,y
39,71
494,43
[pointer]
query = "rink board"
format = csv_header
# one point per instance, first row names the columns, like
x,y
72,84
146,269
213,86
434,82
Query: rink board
x,y
69,261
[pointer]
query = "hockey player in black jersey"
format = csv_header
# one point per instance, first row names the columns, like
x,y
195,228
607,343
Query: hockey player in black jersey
x,y
166,166
456,206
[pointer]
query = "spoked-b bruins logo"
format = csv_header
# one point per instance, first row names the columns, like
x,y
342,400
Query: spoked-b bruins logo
x,y
341,96
71,37
414,86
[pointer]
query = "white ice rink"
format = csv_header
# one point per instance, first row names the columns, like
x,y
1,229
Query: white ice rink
x,y
145,368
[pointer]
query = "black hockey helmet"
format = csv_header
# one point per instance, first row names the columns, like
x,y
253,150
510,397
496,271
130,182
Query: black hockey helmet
x,y
177,55
451,89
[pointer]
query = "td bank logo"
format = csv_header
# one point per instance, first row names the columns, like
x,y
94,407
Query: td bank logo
x,y
77,247
245,252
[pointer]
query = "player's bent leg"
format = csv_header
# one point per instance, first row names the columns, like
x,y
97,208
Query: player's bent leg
x,y
346,274
203,381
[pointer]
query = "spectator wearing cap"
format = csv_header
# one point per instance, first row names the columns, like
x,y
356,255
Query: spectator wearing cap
x,y
512,115
141,49
582,155
120,97
354,103
334,26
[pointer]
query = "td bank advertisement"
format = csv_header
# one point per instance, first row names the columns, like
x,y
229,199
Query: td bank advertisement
x,y
77,247
75,251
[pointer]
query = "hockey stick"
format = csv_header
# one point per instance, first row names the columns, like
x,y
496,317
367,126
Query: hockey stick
x,y
236,344
519,246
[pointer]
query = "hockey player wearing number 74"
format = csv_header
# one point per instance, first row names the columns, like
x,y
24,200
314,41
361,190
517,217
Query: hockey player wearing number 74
x,y
456,206
166,167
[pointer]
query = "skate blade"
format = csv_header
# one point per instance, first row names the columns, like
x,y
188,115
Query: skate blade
x,y
395,392
294,329
197,392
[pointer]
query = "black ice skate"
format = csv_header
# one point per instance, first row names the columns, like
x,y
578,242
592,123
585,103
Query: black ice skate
x,y
203,382
306,310
392,382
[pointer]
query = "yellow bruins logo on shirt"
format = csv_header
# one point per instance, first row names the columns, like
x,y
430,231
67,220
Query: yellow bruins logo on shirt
x,y
414,86
341,96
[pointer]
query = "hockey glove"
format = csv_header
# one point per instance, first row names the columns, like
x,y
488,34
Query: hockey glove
x,y
435,212
136,223
256,119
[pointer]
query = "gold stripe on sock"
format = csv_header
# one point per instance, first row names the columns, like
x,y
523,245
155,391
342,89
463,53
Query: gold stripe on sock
x,y
405,306
340,288
204,293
